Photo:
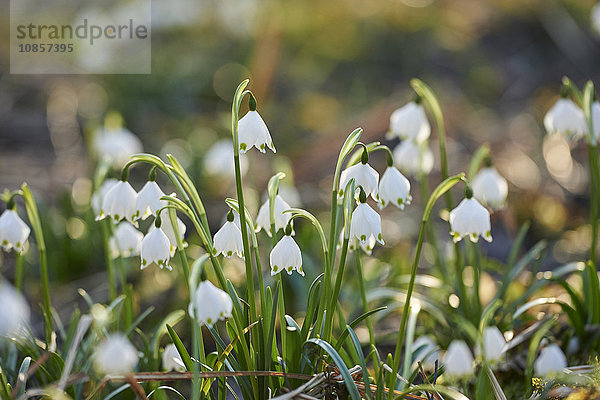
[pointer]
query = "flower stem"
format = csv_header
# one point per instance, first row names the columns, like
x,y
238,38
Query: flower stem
x,y
336,292
34,219
110,267
595,175
439,191
363,295
19,272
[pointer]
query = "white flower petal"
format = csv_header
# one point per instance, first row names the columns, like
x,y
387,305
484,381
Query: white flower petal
x,y
228,240
490,187
13,231
551,360
565,118
410,122
210,304
14,313
171,359
148,200
116,145
286,255
115,356
458,360
253,132
119,203
281,219
364,175
365,224
394,189
155,249
126,241
412,158
470,219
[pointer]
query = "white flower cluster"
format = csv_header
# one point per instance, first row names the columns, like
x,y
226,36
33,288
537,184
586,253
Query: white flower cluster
x,y
117,200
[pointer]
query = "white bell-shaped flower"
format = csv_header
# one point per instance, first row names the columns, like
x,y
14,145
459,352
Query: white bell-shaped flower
x,y
148,200
565,118
116,145
98,196
365,224
286,255
413,158
167,228
115,355
13,231
156,249
171,359
426,351
550,361
493,345
126,241
252,131
458,360
210,304
228,239
394,189
218,160
119,203
410,123
364,175
14,313
470,219
490,187
263,221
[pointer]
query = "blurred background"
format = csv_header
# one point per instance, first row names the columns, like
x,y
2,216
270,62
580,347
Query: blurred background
x,y
319,69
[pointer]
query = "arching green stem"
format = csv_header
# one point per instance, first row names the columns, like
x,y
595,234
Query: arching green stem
x,y
439,191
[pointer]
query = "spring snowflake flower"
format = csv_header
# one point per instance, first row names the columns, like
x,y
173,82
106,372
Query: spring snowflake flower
x,y
14,313
210,304
263,220
394,189
228,239
490,187
458,360
148,200
286,255
171,360
426,351
156,249
413,158
119,203
364,175
410,123
550,361
116,145
115,355
13,231
252,131
565,118
470,219
167,228
218,160
98,196
493,345
126,241
365,224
